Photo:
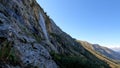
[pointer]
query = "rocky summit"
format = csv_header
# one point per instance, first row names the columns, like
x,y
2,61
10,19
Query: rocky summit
x,y
30,39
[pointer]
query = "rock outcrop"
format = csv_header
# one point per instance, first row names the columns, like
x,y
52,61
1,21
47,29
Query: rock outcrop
x,y
23,32
29,38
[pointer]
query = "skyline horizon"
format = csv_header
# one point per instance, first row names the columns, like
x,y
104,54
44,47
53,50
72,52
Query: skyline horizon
x,y
94,23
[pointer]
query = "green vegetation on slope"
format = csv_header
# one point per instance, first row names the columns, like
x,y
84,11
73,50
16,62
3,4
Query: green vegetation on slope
x,y
77,57
76,62
7,53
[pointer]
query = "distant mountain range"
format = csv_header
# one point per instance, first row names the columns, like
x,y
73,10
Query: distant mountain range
x,y
106,51
117,49
101,52
110,53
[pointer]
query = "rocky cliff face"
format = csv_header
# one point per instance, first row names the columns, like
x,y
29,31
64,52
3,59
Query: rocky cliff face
x,y
23,32
30,39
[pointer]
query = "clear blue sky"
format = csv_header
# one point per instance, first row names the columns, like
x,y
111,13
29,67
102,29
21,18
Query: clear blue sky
x,y
95,21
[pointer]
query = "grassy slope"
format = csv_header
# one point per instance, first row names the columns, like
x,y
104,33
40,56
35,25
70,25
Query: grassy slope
x,y
102,57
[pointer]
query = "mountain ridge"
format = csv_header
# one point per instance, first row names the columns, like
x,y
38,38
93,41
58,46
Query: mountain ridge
x,y
107,52
111,60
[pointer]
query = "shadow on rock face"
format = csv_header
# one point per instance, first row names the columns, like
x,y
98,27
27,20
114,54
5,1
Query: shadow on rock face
x,y
2,39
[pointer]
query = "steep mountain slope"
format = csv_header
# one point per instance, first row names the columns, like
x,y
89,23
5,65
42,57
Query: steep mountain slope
x,y
102,52
107,52
30,39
